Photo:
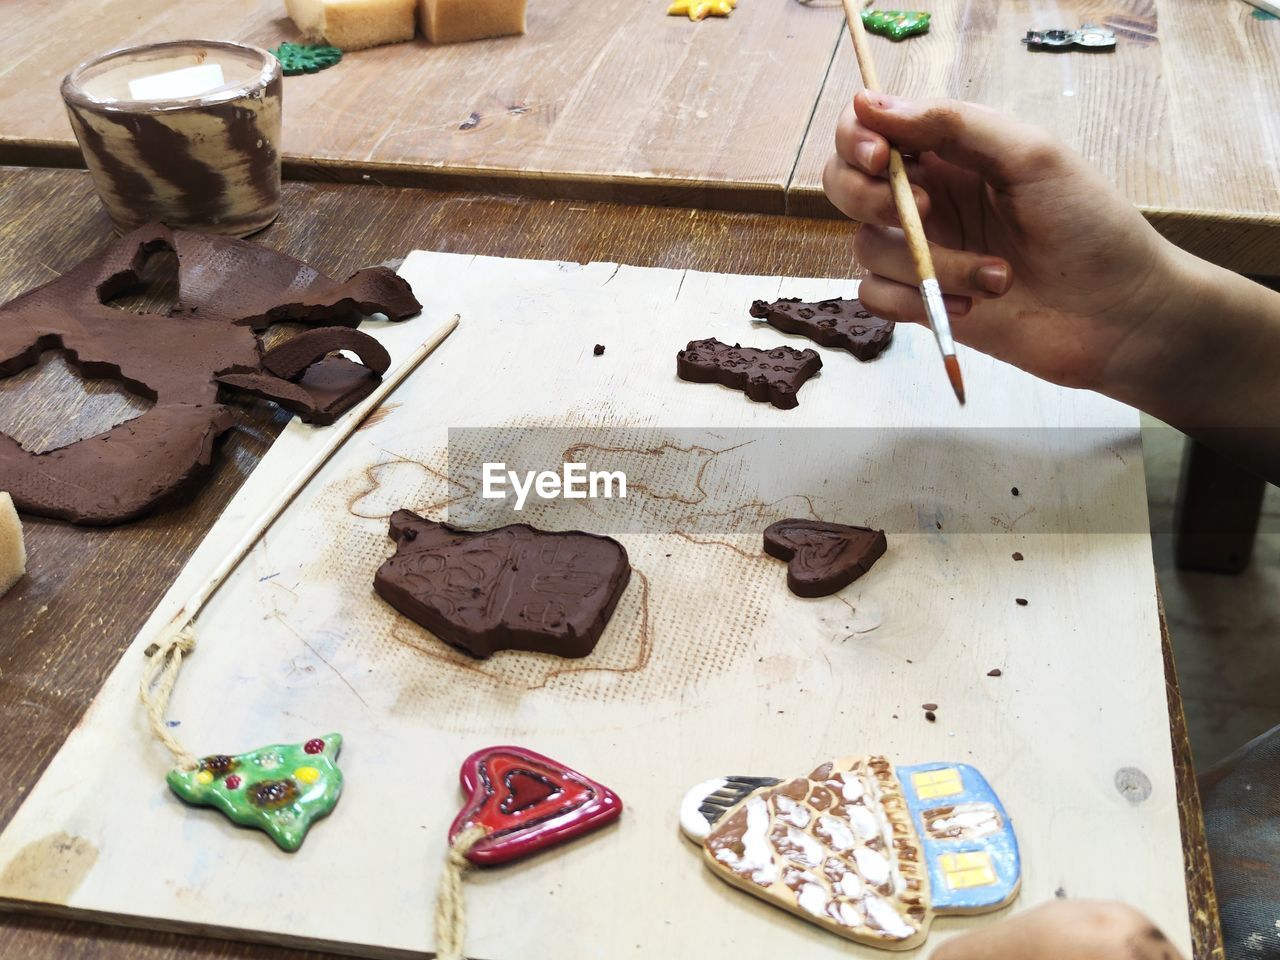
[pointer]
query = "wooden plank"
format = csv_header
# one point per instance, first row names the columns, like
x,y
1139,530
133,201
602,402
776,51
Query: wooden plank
x,y
1206,931
1181,116
710,665
613,101
90,589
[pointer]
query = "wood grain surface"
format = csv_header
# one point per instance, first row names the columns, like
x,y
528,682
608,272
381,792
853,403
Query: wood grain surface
x,y
65,625
608,100
1181,116
617,102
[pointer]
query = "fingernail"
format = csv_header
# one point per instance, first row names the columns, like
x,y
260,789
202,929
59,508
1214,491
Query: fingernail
x,y
994,278
957,306
865,154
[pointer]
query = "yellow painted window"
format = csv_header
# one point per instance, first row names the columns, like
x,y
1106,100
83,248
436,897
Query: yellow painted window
x,y
964,870
931,784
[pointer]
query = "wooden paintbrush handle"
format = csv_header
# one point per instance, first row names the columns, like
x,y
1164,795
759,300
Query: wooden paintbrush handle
x,y
908,212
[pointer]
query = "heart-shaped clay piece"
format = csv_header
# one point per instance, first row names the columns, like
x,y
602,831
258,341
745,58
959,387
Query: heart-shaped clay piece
x,y
823,557
527,802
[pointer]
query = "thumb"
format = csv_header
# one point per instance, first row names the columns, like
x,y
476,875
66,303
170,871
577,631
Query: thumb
x,y
1000,149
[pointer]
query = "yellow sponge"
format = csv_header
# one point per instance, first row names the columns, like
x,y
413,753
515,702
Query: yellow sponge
x,y
353,24
451,21
13,554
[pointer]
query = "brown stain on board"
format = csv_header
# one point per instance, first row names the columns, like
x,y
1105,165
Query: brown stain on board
x,y
377,416
49,870
643,637
745,554
372,483
632,663
707,456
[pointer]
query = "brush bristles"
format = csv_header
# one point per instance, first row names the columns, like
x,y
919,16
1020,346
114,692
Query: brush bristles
x,y
953,374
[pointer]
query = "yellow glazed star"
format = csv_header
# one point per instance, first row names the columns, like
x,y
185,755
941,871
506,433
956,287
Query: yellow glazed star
x,y
701,9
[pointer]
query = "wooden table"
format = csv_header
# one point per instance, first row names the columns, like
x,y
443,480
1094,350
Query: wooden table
x,y
1180,117
89,591
615,101
607,100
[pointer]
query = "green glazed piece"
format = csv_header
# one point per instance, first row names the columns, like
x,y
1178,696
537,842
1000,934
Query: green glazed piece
x,y
296,58
896,24
281,789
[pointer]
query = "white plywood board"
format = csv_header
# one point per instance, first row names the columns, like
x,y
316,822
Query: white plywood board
x,y
709,666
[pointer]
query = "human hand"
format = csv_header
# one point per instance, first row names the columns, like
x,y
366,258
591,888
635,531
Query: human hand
x,y
1064,930
1044,263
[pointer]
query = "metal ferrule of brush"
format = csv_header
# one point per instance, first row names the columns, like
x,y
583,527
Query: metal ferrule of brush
x,y
936,310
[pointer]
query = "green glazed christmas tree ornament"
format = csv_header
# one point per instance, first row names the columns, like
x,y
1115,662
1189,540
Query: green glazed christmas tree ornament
x,y
896,24
281,789
296,58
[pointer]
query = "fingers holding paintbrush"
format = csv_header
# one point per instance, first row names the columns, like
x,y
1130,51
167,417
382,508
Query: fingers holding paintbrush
x,y
909,216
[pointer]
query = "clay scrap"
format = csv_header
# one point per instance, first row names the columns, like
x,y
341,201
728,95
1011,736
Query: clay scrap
x,y
510,588
823,558
228,291
839,323
773,375
281,789
866,850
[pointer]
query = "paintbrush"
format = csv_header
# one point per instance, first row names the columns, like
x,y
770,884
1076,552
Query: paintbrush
x,y
909,215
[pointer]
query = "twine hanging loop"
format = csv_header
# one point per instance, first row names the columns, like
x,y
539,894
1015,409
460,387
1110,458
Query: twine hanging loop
x,y
451,907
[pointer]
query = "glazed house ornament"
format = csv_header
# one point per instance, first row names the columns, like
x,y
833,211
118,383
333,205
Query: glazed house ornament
x,y
864,850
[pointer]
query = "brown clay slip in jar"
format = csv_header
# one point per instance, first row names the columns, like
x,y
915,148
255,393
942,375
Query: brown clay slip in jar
x,y
185,132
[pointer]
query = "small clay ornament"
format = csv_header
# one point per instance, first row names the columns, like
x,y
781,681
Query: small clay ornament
x,y
228,290
299,58
281,789
863,850
772,376
839,323
823,558
701,9
518,802
1090,38
526,802
897,25
511,588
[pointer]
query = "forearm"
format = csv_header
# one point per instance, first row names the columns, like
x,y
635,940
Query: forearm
x,y
1212,364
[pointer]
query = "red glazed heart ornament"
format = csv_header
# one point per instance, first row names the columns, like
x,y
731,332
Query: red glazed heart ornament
x,y
526,802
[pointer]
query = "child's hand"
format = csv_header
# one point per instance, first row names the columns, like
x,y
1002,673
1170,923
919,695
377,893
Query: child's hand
x,y
1064,930
1046,264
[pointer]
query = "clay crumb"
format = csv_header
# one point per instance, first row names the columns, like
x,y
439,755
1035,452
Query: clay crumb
x,y
1021,601
1017,556
599,350
929,706
995,673
930,716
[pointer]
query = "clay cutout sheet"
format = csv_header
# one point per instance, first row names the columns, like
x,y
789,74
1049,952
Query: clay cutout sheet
x,y
710,663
